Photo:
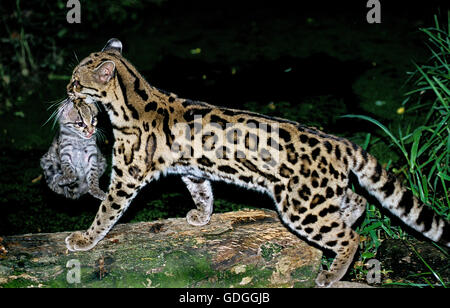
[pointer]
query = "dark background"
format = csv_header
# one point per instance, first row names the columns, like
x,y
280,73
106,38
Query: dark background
x,y
312,62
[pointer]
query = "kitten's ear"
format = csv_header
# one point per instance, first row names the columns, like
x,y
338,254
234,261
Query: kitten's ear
x,y
113,44
104,72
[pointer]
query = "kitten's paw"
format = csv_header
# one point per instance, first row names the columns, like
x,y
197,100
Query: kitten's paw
x,y
67,180
325,279
197,218
78,241
70,192
98,193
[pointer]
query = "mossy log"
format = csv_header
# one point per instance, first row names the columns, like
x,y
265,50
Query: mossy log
x,y
248,248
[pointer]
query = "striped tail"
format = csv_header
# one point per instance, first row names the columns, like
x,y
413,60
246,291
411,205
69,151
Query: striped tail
x,y
399,200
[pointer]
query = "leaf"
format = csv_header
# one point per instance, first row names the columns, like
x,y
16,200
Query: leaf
x,y
19,114
62,32
52,76
196,51
366,142
368,255
444,176
416,138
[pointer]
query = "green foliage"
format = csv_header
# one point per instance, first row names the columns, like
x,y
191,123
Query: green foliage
x,y
429,143
424,144
36,42
28,43
157,209
223,206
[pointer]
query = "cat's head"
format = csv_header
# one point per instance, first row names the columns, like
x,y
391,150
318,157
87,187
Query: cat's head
x,y
79,117
92,78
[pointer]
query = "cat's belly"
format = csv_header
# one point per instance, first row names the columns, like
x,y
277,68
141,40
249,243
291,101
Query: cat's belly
x,y
194,171
81,164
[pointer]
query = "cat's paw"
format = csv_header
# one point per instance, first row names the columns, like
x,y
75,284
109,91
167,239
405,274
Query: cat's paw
x,y
78,241
98,193
67,179
71,192
197,218
325,279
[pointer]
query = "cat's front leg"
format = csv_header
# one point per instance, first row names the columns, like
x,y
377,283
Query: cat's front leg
x,y
122,190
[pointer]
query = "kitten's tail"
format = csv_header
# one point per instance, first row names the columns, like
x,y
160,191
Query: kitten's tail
x,y
399,200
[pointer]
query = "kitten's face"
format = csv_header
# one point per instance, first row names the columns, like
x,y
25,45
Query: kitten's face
x,y
79,117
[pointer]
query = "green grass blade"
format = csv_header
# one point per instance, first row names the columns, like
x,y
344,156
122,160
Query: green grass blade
x,y
433,86
384,128
416,139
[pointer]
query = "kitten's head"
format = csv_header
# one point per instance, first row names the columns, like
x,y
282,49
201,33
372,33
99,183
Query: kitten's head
x,y
92,78
79,117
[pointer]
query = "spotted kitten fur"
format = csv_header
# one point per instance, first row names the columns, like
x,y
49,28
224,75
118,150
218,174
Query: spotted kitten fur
x,y
305,170
73,164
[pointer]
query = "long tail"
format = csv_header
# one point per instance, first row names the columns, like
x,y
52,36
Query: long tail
x,y
399,200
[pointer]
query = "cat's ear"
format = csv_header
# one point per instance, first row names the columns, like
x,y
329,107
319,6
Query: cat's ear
x,y
113,44
104,72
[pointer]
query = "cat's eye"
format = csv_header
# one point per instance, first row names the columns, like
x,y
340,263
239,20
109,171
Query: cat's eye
x,y
80,124
94,120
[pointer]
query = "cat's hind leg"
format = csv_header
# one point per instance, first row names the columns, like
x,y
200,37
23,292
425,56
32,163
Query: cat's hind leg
x,y
202,195
345,243
52,174
319,220
345,246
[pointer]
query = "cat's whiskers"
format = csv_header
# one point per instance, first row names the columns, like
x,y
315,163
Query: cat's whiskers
x,y
100,135
59,104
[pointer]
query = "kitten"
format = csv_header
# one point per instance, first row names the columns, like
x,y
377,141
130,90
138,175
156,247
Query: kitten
x,y
73,164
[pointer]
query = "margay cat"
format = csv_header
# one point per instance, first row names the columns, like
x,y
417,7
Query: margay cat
x,y
305,170
73,164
